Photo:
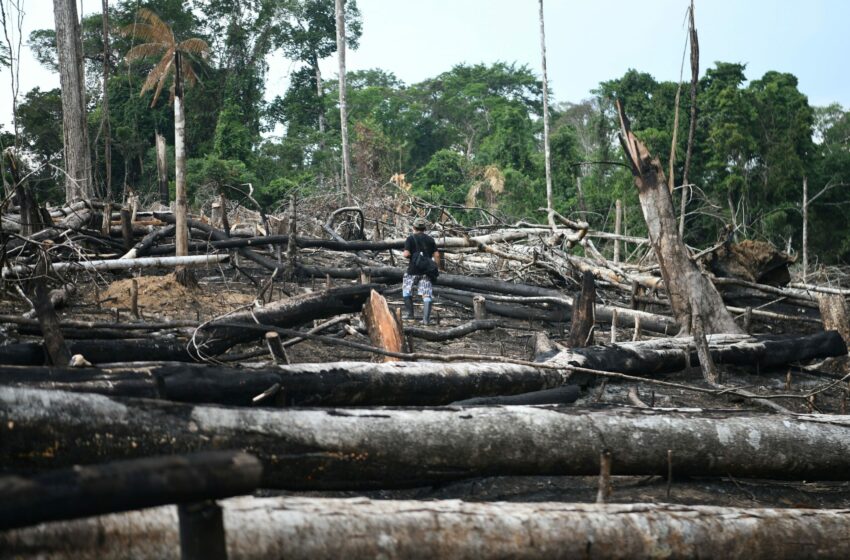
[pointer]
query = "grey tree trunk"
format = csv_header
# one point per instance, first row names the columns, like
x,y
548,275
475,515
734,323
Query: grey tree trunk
x,y
343,104
692,126
320,93
107,132
805,227
384,448
547,155
181,208
181,237
692,295
360,528
162,168
78,183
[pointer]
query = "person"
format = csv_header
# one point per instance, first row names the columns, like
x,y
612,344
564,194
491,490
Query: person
x,y
424,257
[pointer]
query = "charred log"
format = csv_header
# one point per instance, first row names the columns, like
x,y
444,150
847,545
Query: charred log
x,y
382,448
126,485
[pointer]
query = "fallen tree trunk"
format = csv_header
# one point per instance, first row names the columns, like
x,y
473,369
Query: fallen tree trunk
x,y
78,217
474,285
218,235
402,383
360,528
99,351
221,334
645,358
453,332
126,485
124,264
323,384
559,395
144,247
384,448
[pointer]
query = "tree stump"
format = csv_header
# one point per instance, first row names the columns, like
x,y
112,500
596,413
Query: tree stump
x,y
383,329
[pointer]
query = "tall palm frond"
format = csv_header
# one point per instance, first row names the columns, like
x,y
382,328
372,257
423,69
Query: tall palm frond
x,y
159,39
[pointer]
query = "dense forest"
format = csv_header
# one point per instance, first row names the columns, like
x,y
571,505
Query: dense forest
x,y
471,136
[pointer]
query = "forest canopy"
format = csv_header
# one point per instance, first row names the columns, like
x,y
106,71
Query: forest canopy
x,y
472,135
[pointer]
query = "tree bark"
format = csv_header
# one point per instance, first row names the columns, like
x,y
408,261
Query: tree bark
x,y
833,311
356,528
323,384
219,335
649,357
126,485
692,125
162,169
107,126
181,208
385,448
581,324
78,184
547,155
343,104
144,246
689,291
98,351
124,264
805,227
54,342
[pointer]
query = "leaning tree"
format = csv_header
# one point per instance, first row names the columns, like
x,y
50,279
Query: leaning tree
x,y
159,40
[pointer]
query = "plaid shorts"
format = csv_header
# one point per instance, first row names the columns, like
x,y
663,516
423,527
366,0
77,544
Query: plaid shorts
x,y
425,289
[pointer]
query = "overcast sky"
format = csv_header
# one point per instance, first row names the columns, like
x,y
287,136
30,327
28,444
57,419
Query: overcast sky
x,y
588,41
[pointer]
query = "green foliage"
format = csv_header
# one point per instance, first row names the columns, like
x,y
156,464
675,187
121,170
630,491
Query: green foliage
x,y
212,175
443,180
755,141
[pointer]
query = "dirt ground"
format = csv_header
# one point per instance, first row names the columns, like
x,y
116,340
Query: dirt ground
x,y
161,296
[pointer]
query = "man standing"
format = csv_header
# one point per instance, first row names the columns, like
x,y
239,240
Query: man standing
x,y
424,257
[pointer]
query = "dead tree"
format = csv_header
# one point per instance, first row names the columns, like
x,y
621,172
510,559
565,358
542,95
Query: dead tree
x,y
352,448
692,295
126,485
355,528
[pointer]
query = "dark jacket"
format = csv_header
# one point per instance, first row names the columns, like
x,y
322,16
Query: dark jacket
x,y
419,242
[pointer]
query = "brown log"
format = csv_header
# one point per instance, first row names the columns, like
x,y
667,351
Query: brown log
x,y
384,331
355,528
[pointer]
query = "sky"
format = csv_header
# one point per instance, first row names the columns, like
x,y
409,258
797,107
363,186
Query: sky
x,y
587,41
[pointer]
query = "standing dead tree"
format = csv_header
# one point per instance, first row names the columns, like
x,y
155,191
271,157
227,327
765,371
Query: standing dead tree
x,y
692,295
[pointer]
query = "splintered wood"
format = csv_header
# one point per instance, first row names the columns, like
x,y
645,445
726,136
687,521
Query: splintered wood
x,y
384,330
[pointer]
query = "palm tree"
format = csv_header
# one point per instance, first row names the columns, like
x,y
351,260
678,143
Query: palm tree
x,y
159,40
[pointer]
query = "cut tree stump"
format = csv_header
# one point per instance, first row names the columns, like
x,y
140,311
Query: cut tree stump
x,y
384,330
384,448
355,528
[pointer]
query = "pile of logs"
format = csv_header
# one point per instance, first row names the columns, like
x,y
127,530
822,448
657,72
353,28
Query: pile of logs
x,y
111,416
